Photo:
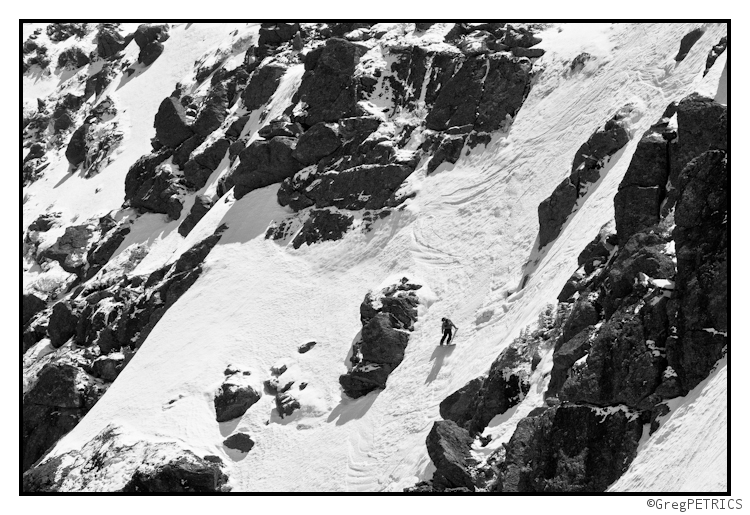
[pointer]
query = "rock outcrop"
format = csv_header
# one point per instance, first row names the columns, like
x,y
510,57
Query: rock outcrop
x,y
387,319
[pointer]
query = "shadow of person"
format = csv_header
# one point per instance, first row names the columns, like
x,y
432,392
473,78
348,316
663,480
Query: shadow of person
x,y
441,351
352,409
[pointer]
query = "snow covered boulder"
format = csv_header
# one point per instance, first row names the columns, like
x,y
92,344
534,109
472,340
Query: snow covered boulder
x,y
449,448
76,151
234,398
149,39
715,52
170,123
108,367
279,127
302,349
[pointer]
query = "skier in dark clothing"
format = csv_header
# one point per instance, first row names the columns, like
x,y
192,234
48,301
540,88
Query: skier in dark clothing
x,y
448,327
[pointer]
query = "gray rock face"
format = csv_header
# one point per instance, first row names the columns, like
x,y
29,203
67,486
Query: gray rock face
x,y
30,306
170,123
71,248
263,163
569,449
322,225
320,140
188,473
328,87
701,242
262,85
449,448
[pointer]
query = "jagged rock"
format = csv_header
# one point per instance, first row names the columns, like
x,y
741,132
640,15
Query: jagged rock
x,y
569,449
149,39
263,163
159,193
286,404
51,408
423,26
620,368
109,41
30,306
382,343
643,253
201,206
235,129
701,126
587,163
409,74
262,85
687,42
143,169
199,169
637,208
701,243
182,153
320,140
565,355
72,58
306,347
70,249
100,254
363,380
555,210
506,384
170,123
360,187
531,53
280,127
580,61
62,31
276,33
459,406
76,151
449,448
232,401
108,367
328,88
322,225
457,102
36,151
520,37
715,52
449,150
504,90
187,473
583,315
213,112
240,442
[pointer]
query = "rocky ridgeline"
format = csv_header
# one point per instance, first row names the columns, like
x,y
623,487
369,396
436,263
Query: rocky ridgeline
x,y
644,320
387,318
104,322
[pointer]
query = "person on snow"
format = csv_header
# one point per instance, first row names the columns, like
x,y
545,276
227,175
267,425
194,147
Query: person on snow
x,y
448,327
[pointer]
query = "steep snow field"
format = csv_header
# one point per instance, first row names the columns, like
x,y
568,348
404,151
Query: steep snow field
x,y
468,236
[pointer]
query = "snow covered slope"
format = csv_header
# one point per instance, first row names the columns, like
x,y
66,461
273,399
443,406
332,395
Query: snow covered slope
x,y
469,236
